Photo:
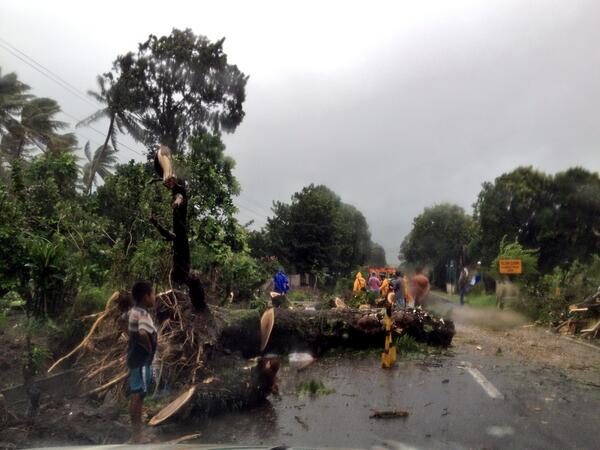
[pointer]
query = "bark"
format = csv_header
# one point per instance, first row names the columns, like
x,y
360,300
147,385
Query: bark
x,y
321,330
233,387
181,271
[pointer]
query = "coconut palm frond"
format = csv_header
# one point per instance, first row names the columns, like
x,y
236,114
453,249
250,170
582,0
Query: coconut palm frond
x,y
87,152
94,117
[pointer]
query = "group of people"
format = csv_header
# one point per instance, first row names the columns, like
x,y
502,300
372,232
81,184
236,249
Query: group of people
x,y
407,291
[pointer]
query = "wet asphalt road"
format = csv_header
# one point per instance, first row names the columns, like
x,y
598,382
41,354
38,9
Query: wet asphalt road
x,y
461,400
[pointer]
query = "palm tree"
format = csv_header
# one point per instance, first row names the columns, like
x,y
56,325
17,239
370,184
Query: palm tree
x,y
115,97
100,164
12,97
36,127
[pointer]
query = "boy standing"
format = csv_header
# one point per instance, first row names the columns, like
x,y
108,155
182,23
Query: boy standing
x,y
140,352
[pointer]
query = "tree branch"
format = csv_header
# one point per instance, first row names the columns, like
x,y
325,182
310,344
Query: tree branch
x,y
168,235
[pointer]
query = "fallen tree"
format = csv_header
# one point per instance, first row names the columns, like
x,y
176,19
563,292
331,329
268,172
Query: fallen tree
x,y
203,350
209,350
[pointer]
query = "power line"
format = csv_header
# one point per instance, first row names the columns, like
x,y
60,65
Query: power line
x,y
44,71
59,81
255,204
253,211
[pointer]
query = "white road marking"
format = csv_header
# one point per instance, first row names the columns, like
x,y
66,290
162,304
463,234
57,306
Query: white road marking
x,y
488,387
500,431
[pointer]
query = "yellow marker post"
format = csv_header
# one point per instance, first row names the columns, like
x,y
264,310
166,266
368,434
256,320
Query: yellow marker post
x,y
388,357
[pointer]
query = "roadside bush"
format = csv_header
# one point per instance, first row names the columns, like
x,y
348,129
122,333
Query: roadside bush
x,y
52,282
260,303
90,300
407,344
343,286
241,274
38,357
548,299
151,261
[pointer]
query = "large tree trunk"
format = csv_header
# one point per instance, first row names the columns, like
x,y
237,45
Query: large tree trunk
x,y
205,349
181,272
321,330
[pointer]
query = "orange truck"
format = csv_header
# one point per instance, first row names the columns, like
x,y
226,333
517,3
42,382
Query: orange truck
x,y
385,271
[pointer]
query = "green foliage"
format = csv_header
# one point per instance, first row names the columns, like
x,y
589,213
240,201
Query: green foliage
x,y
211,187
180,86
300,295
559,215
90,300
377,256
529,261
259,302
12,242
51,283
548,299
317,233
38,357
150,261
99,164
439,235
510,207
406,344
241,275
313,388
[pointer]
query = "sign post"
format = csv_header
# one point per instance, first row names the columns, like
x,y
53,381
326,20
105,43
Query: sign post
x,y
510,267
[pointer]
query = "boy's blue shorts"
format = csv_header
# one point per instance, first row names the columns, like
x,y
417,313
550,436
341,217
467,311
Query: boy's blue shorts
x,y
140,379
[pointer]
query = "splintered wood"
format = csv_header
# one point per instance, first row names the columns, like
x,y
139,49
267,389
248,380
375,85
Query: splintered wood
x,y
392,414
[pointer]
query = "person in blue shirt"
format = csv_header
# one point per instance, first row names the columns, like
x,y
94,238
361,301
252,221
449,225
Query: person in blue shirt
x,y
281,282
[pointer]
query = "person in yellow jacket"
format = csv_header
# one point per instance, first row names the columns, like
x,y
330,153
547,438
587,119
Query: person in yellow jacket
x,y
384,290
360,284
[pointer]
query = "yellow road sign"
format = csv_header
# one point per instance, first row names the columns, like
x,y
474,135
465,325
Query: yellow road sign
x,y
510,266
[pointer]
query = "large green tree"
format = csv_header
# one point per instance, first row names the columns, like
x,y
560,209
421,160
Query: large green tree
x,y
377,257
13,94
558,215
570,225
181,85
317,232
36,128
515,205
439,235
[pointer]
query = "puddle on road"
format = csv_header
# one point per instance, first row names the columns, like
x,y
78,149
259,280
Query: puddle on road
x,y
338,414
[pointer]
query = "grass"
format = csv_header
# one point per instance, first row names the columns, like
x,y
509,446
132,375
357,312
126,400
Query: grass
x,y
407,344
301,295
313,387
475,300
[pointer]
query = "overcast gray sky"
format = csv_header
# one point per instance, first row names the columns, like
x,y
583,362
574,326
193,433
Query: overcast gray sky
x,y
394,105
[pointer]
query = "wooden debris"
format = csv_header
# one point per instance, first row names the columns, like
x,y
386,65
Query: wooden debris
x,y
107,385
266,327
301,422
87,338
187,437
174,407
391,414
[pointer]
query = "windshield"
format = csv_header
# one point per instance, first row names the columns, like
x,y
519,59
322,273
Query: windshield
x,y
300,224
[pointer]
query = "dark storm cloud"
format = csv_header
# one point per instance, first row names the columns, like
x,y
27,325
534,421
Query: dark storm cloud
x,y
394,106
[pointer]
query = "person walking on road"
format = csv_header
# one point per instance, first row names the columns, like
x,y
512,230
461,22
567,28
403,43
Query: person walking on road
x,y
463,282
399,290
385,287
374,284
281,283
360,284
419,287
